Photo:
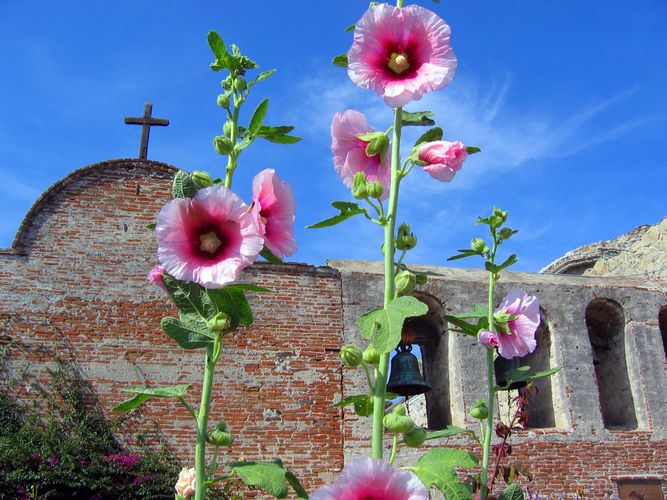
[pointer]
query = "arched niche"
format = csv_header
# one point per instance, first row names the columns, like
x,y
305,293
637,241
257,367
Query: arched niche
x,y
662,323
540,410
429,332
605,322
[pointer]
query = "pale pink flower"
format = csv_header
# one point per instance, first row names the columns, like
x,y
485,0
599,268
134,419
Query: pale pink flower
x,y
208,239
401,53
350,152
185,486
444,159
273,206
521,339
156,276
366,478
488,339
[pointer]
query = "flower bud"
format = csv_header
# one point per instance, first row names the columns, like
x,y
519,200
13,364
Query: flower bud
x,y
375,190
501,214
351,355
480,411
398,424
223,144
415,438
421,278
219,436
227,129
359,186
371,355
202,179
405,282
506,233
218,323
478,245
405,239
377,145
240,84
223,100
399,410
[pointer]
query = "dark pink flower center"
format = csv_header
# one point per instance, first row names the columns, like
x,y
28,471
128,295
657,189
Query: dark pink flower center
x,y
214,240
402,58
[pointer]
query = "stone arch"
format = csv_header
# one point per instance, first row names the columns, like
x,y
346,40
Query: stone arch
x,y
429,333
605,322
662,324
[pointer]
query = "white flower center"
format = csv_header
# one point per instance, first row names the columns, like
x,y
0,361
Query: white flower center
x,y
398,63
209,242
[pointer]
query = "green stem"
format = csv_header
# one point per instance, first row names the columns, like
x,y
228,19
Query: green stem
x,y
382,370
202,424
394,446
368,377
231,162
188,407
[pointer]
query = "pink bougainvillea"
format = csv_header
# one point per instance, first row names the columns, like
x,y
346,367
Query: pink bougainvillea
x,y
208,239
443,159
401,53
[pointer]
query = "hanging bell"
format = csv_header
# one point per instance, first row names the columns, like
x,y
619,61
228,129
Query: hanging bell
x,y
502,367
406,379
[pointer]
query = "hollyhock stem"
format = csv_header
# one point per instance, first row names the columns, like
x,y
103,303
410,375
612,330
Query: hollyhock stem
x,y
202,424
389,251
231,163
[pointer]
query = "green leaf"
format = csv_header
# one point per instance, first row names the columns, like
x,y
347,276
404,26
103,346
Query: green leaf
x,y
350,28
190,298
437,468
463,326
512,259
512,492
450,431
283,139
183,186
222,57
384,326
340,60
363,404
296,485
350,400
418,118
464,253
188,332
521,375
145,393
269,257
262,76
432,134
471,150
258,117
478,311
151,226
347,210
278,134
132,403
269,476
247,286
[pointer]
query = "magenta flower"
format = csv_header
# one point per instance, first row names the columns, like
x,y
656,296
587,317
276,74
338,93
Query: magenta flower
x,y
443,159
273,207
350,152
366,479
521,339
401,53
208,239
156,276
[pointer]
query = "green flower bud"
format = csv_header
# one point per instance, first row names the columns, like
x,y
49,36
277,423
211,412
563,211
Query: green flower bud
x,y
371,355
351,355
202,179
218,323
501,214
405,282
219,438
478,245
398,424
240,84
227,129
421,278
364,408
480,411
415,438
359,186
405,239
399,410
223,100
223,144
377,145
506,233
375,190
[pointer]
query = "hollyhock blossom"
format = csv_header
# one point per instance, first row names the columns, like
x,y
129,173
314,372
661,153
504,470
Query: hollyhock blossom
x,y
366,478
401,53
521,339
273,207
185,486
208,239
443,159
488,339
156,276
350,152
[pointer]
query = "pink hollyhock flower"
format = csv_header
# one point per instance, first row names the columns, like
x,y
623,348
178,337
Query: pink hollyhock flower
x,y
185,486
444,159
366,478
273,206
521,339
350,152
155,276
488,339
208,239
401,53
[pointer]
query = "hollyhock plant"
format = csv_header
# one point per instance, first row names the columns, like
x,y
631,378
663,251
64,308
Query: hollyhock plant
x,y
350,151
443,159
401,53
185,486
208,239
273,206
366,478
521,339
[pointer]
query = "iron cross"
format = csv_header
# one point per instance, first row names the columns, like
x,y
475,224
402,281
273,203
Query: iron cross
x,y
146,123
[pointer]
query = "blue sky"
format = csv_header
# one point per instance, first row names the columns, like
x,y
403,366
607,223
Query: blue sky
x,y
568,101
